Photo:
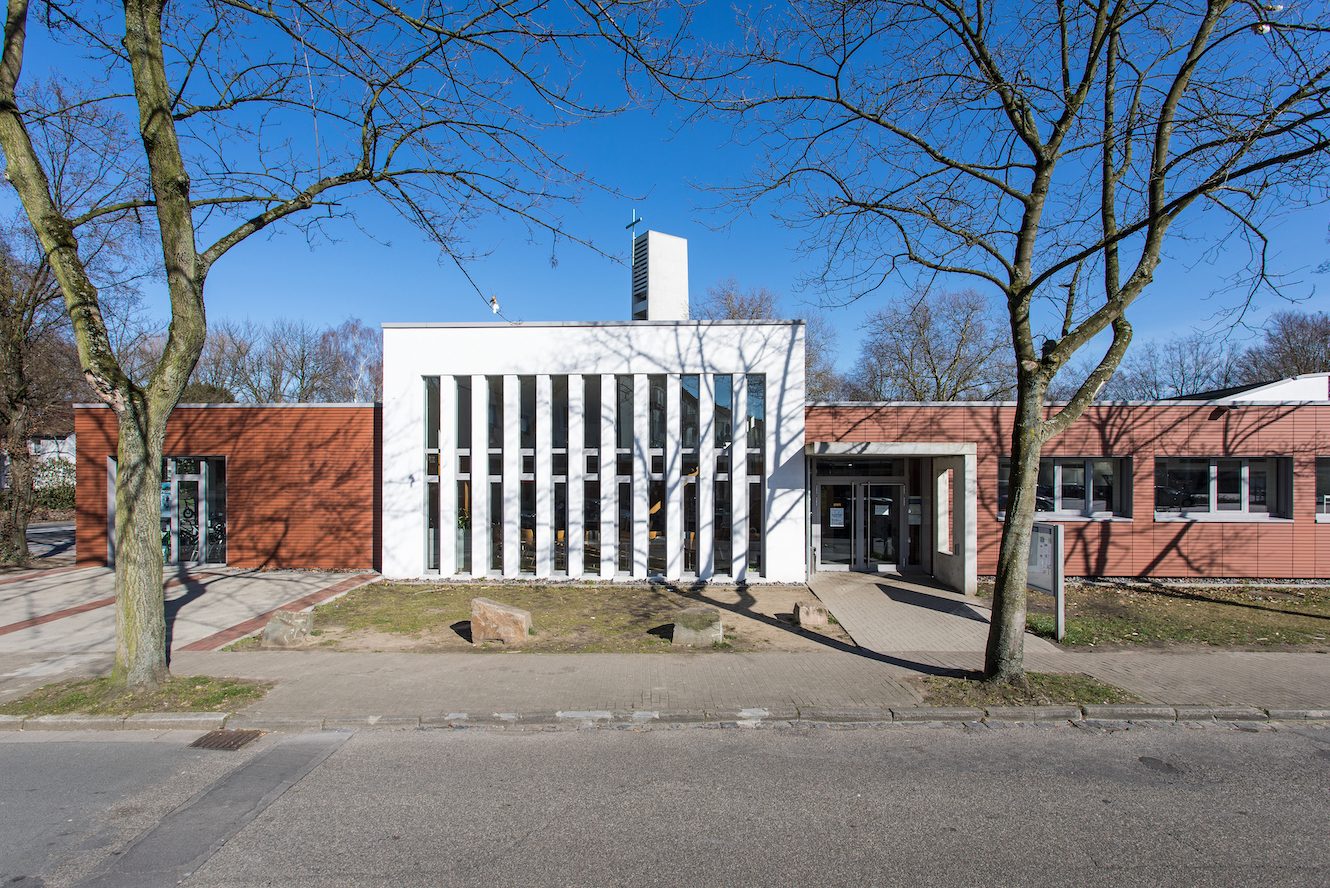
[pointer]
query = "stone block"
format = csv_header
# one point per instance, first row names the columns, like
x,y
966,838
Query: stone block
x,y
698,627
812,614
491,621
288,629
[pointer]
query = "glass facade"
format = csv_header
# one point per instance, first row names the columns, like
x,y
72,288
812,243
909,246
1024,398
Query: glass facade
x,y
654,510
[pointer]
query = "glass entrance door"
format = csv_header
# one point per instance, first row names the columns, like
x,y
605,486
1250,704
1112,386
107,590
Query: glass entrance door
x,y
859,526
193,510
882,525
837,549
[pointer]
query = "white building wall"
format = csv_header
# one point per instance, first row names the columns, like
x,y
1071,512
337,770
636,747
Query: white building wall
x,y
413,352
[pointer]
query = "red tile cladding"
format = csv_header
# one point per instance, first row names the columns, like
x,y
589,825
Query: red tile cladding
x,y
1141,545
302,483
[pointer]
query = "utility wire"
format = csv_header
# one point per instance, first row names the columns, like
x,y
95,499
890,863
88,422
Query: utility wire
x,y
489,303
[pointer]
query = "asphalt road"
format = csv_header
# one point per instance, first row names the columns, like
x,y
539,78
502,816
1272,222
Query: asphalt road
x,y
918,805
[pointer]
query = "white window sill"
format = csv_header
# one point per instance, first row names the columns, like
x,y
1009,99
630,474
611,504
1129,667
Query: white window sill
x,y
1212,518
1322,518
1063,517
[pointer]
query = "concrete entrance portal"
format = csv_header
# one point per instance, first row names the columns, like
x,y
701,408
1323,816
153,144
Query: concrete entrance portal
x,y
889,508
891,614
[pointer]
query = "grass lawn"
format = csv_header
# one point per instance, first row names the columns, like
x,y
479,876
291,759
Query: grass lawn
x,y
97,696
1124,613
566,617
1041,689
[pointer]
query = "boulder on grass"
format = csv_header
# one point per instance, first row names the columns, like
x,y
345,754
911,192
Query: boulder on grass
x,y
288,629
491,621
812,614
698,627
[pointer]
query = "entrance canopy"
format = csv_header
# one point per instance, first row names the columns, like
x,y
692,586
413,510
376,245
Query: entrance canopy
x,y
894,507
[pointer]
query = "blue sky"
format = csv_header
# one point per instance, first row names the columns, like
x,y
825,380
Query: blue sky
x,y
397,276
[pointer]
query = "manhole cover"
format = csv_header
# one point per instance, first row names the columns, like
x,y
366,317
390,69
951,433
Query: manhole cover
x,y
227,740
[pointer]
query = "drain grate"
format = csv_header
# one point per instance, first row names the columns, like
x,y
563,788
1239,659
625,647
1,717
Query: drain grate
x,y
228,741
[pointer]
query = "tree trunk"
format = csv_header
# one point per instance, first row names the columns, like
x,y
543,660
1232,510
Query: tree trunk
x,y
140,617
1004,659
18,505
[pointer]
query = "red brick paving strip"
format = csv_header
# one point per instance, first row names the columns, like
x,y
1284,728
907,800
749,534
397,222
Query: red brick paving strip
x,y
56,615
254,624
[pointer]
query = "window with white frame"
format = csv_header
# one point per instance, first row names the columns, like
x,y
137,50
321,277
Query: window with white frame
x,y
1323,488
1080,486
1222,487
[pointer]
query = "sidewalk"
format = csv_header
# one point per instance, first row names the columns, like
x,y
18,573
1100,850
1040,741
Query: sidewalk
x,y
313,685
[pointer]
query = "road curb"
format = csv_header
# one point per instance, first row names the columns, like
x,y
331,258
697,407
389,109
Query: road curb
x,y
579,719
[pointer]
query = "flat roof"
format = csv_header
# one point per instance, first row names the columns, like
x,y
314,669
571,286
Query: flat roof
x,y
1172,402
431,325
248,405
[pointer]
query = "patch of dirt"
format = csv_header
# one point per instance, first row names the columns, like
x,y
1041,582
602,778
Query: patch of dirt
x,y
638,618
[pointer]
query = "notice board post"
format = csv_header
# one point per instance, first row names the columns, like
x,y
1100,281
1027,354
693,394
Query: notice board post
x,y
1045,569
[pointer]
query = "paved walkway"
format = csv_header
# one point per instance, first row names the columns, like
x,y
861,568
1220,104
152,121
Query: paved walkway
x,y
888,613
63,620
326,684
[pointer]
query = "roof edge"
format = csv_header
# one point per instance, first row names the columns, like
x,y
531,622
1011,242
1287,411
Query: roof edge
x,y
447,325
1232,402
265,405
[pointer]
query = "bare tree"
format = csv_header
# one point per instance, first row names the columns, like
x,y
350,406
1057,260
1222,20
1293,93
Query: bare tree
x,y
1183,365
1291,343
1043,151
29,318
249,115
934,346
37,378
822,381
357,352
727,301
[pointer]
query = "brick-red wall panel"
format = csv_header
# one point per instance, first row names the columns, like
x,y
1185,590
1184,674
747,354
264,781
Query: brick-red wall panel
x,y
1300,548
302,483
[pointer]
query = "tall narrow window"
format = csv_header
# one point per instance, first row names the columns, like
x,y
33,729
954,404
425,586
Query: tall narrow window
x,y
723,545
623,420
590,474
757,450
496,524
656,425
724,417
463,523
495,450
657,513
433,534
591,526
1322,488
625,526
493,471
591,412
756,524
690,389
561,525
723,420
